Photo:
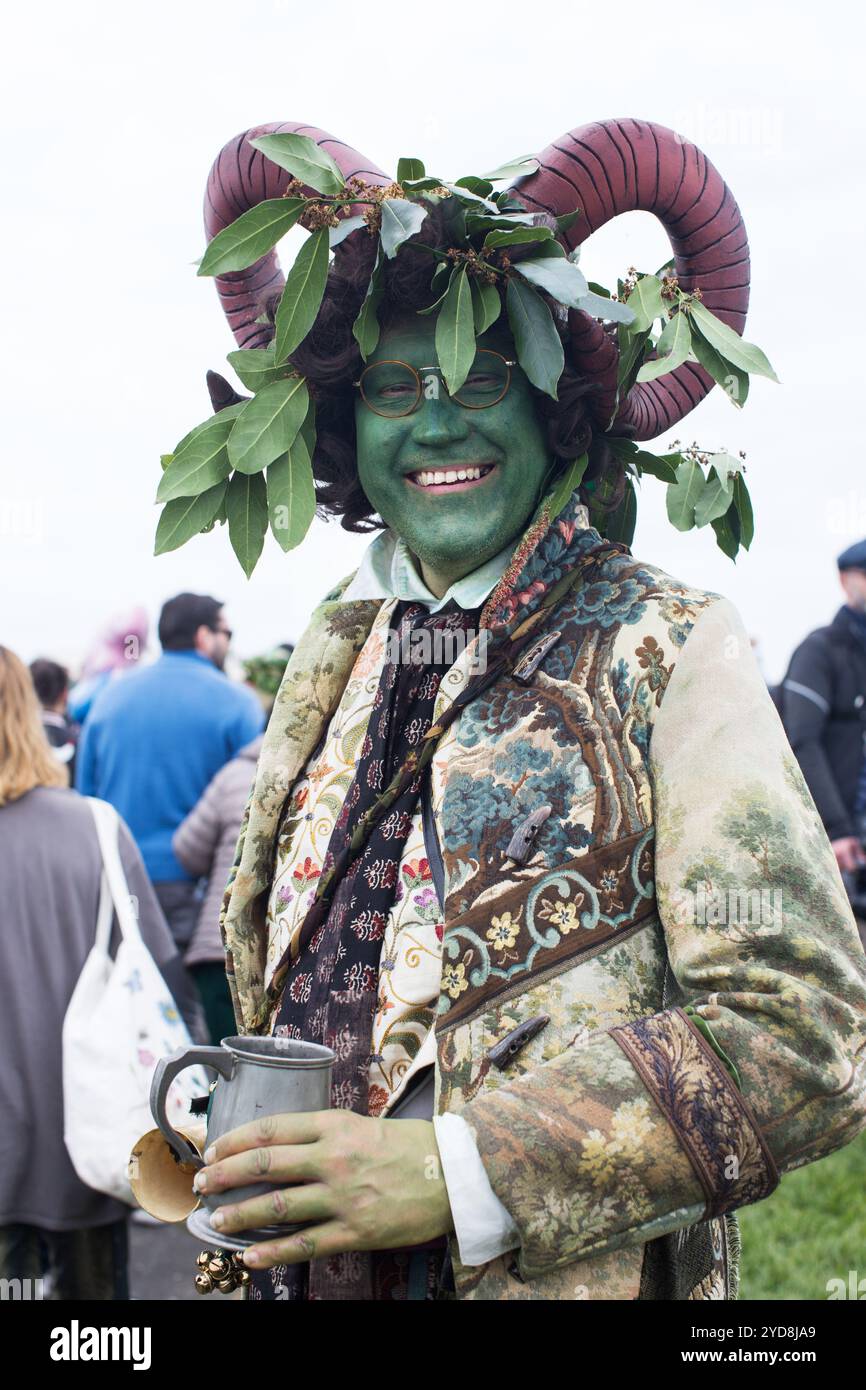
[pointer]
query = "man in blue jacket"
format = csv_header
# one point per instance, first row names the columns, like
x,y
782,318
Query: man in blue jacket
x,y
154,740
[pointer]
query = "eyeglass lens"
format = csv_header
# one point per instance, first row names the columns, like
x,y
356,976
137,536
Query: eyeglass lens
x,y
393,388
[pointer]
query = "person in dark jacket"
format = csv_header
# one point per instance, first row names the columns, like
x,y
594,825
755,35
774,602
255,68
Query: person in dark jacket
x,y
824,713
51,681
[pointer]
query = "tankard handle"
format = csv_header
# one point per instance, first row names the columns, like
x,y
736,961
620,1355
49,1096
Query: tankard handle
x,y
167,1068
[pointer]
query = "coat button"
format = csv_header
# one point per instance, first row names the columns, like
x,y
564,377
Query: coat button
x,y
532,658
523,838
505,1051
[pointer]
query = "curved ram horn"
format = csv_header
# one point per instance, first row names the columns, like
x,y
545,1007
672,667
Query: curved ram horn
x,y
240,178
619,166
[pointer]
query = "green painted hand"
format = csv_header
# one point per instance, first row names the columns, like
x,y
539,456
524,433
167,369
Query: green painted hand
x,y
363,1184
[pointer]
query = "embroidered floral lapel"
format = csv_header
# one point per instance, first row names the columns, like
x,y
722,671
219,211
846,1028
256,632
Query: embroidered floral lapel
x,y
310,691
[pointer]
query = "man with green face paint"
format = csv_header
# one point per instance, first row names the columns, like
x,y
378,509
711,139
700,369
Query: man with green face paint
x,y
516,895
455,526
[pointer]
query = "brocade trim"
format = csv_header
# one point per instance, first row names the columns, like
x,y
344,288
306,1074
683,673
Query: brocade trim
x,y
710,1118
529,929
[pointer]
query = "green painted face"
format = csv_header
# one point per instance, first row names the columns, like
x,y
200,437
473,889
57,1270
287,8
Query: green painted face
x,y
452,527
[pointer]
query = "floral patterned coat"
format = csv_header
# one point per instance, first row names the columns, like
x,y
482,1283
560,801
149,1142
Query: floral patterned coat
x,y
677,935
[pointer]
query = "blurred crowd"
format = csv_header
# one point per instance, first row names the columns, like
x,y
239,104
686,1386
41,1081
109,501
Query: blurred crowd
x,y
171,742
174,751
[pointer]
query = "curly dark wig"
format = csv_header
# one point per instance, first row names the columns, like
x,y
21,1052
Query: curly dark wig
x,y
330,360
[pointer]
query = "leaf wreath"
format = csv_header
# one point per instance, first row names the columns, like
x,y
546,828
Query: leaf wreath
x,y
250,465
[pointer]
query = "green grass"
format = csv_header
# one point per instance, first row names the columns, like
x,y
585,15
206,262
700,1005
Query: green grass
x,y
813,1228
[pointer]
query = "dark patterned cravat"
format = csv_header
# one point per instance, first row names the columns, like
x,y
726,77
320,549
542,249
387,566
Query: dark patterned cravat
x,y
331,989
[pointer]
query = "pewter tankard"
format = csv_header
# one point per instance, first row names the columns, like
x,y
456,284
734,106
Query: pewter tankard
x,y
257,1076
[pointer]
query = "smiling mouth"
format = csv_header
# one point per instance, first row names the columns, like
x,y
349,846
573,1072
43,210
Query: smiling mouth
x,y
450,479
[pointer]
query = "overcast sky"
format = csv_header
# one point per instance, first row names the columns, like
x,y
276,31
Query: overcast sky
x,y
113,115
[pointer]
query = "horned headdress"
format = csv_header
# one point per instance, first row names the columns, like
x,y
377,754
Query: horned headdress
x,y
504,254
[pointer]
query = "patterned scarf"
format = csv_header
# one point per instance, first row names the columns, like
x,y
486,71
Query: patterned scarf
x,y
332,988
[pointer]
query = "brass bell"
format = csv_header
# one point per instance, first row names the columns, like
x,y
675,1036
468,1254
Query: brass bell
x,y
238,1259
203,1283
218,1266
243,1278
227,1285
202,1258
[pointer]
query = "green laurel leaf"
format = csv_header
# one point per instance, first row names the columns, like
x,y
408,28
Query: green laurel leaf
x,y
455,332
247,513
304,159
559,277
291,495
716,497
733,380
743,504
267,425
673,348
646,303
409,168
684,495
486,306
570,480
365,329
538,345
302,297
255,367
726,341
185,517
250,236
400,220
200,463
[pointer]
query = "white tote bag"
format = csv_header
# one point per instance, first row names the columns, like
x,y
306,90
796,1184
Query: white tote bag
x,y
121,1019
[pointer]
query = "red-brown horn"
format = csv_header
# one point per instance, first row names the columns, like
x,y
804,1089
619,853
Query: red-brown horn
x,y
620,166
240,178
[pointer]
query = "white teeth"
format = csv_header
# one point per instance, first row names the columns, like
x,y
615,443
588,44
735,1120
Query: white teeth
x,y
431,478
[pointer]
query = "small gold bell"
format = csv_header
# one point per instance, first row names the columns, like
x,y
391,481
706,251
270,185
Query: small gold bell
x,y
238,1259
227,1285
218,1265
202,1258
243,1278
203,1283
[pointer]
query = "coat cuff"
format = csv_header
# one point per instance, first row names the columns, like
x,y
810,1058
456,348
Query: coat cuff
x,y
636,1133
482,1225
709,1116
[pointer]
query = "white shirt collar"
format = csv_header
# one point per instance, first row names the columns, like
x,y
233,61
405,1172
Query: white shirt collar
x,y
387,570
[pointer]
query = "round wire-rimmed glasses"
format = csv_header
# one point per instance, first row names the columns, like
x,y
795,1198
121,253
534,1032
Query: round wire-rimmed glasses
x,y
393,388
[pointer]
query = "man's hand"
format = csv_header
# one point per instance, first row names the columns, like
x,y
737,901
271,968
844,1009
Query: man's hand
x,y
849,854
364,1184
